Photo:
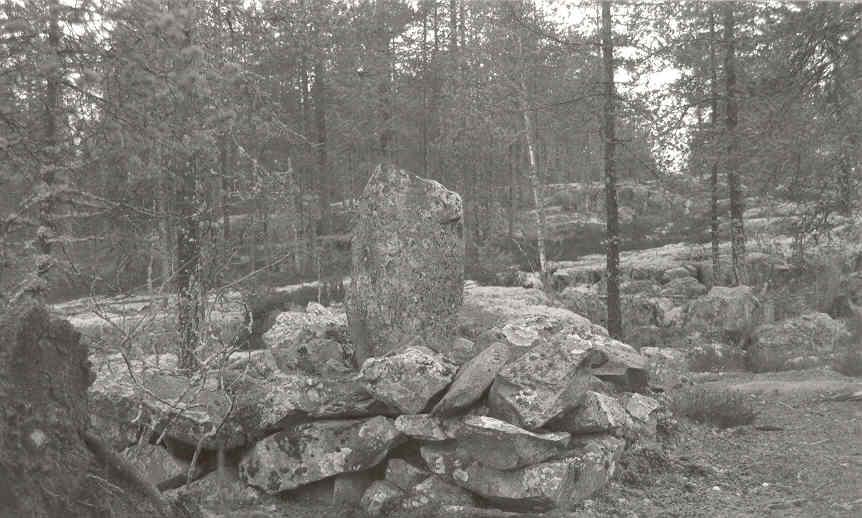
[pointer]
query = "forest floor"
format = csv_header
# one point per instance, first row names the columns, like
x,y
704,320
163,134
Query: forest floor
x,y
801,457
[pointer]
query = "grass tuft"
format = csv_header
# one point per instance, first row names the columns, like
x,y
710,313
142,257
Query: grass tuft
x,y
720,407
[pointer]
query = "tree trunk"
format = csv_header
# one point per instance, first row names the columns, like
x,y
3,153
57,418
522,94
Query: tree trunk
x,y
323,174
737,233
535,184
188,282
383,86
47,230
713,179
615,324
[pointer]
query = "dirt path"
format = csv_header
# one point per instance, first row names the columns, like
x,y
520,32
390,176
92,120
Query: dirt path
x,y
802,457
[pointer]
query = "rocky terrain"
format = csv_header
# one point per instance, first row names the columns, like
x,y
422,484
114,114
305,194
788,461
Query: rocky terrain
x,y
520,405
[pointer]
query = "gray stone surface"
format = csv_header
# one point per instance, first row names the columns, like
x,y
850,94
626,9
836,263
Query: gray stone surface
x,y
473,379
408,380
314,451
408,264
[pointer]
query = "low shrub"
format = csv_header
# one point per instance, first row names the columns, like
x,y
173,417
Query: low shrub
x,y
720,407
716,357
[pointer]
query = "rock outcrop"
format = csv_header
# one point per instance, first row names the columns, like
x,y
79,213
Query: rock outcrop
x,y
802,341
408,265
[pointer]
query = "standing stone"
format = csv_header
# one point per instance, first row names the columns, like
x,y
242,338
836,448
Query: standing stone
x,y
407,278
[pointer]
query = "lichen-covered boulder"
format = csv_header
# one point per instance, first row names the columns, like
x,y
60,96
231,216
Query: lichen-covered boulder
x,y
774,346
473,379
501,445
314,451
724,313
407,381
307,341
587,301
515,316
597,413
682,289
548,380
541,487
407,278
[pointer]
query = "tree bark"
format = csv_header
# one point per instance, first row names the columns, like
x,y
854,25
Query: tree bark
x,y
323,173
47,230
383,86
188,282
533,175
713,179
609,134
737,232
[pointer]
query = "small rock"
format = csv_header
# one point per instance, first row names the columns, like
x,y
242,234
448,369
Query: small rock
x,y
473,379
403,474
408,380
642,410
462,350
381,498
421,427
598,413
154,463
433,490
348,488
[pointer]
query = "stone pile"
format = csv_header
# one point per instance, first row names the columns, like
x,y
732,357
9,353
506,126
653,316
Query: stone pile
x,y
512,406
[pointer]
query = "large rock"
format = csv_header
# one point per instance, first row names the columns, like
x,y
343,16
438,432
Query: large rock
x,y
149,396
682,289
547,381
587,301
314,451
50,464
516,316
774,346
541,487
408,264
307,341
473,379
597,413
625,366
409,380
148,325
219,492
725,313
500,445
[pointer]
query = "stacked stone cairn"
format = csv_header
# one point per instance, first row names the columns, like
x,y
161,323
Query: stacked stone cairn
x,y
420,393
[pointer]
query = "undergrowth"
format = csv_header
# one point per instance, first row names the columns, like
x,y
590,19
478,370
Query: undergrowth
x,y
722,407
